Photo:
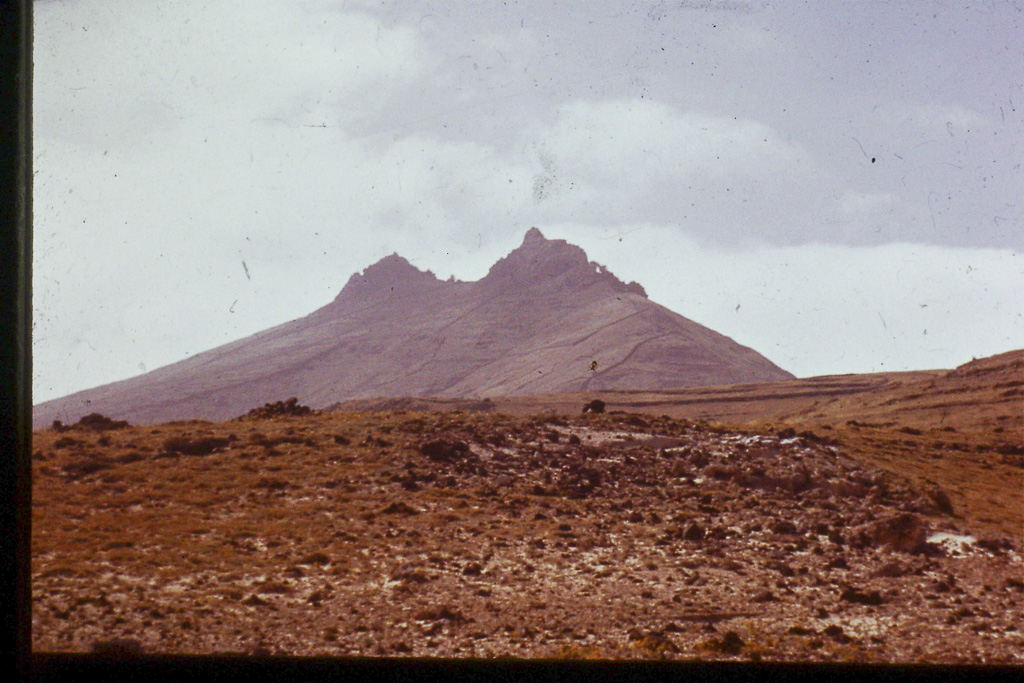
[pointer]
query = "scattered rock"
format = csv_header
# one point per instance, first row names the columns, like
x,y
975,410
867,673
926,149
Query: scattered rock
x,y
874,598
204,445
400,508
290,407
848,489
444,450
595,406
730,643
315,558
996,546
655,642
66,442
941,500
784,527
271,484
693,532
82,468
782,568
836,633
754,534
892,569
905,532
412,576
99,423
256,601
444,613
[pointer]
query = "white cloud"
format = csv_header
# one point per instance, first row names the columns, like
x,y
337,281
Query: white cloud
x,y
309,139
906,306
875,217
610,161
108,74
633,141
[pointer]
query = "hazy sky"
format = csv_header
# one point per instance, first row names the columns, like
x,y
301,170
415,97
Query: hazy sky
x,y
835,184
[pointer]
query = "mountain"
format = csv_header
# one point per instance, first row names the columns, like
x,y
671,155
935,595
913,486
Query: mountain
x,y
543,319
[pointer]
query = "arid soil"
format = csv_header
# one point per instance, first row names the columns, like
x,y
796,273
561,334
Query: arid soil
x,y
961,430
480,534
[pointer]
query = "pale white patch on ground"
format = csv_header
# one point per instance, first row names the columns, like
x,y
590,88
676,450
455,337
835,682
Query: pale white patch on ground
x,y
865,626
952,542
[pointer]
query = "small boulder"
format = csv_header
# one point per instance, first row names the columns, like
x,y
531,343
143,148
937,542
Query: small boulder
x,y
730,643
905,532
399,508
100,423
443,613
892,569
941,500
855,595
836,633
785,527
290,407
444,450
315,558
693,532
203,445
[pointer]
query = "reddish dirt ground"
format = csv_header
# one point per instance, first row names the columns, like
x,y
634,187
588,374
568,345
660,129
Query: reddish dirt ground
x,y
482,534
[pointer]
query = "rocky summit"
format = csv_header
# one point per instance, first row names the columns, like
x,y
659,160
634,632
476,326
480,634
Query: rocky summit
x,y
544,319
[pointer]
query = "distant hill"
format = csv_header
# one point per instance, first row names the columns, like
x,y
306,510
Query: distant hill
x,y
545,319
984,395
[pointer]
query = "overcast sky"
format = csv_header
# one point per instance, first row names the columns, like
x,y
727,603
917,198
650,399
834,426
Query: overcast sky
x,y
835,184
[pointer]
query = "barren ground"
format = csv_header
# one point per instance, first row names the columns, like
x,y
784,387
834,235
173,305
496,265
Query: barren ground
x,y
476,534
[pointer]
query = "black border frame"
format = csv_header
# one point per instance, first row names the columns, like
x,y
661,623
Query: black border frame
x,y
16,323
16,45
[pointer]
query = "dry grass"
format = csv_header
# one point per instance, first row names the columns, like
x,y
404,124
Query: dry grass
x,y
336,534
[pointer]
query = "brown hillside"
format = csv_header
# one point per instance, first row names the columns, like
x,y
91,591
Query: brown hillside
x,y
543,320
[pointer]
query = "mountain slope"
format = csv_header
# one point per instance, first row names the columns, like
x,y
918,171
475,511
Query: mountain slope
x,y
544,319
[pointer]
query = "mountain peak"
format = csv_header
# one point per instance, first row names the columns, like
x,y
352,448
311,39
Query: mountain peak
x,y
545,319
533,237
392,273
539,261
539,258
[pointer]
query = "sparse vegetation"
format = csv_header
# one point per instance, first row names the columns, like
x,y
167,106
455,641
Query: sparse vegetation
x,y
611,535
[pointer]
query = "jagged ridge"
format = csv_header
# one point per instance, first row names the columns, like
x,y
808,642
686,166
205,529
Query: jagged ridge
x,y
544,319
